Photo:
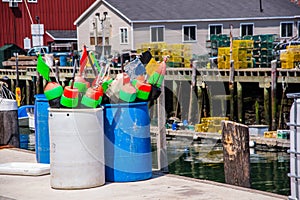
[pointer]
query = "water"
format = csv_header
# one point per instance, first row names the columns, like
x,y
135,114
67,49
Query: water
x,y
205,161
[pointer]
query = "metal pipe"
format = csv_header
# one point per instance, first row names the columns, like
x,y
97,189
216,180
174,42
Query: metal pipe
x,y
260,6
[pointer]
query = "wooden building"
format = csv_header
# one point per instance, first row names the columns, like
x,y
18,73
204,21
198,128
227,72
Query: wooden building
x,y
50,20
130,24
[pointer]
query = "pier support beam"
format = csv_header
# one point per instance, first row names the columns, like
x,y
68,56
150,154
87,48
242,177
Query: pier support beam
x,y
236,153
175,97
266,106
12,85
192,99
27,93
200,102
38,81
162,159
273,94
240,102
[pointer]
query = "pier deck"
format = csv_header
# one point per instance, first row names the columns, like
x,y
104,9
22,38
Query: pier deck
x,y
250,75
160,186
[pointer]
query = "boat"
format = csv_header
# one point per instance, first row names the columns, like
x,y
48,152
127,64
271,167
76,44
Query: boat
x,y
26,116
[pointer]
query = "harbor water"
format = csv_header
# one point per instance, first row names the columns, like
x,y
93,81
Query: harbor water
x,y
205,161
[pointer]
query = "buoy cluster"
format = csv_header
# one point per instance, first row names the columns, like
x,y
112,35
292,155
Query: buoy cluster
x,y
83,93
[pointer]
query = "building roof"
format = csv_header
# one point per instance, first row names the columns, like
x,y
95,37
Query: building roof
x,y
199,10
62,34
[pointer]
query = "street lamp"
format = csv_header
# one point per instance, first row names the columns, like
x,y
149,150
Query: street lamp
x,y
37,18
102,19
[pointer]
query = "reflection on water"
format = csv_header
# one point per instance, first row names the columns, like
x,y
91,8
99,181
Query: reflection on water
x,y
205,161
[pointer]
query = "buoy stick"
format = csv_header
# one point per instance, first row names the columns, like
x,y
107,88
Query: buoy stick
x,y
92,65
73,76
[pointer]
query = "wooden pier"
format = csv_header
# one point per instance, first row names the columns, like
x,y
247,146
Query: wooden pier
x,y
261,142
187,88
160,186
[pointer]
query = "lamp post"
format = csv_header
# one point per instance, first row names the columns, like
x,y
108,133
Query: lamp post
x,y
37,18
102,19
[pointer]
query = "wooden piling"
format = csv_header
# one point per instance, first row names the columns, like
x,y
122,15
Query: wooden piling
x,y
231,91
236,153
257,116
38,81
27,93
12,85
200,102
240,102
192,94
273,94
175,100
162,159
266,106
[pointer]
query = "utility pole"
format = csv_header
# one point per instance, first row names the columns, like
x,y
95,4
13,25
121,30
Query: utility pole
x,y
102,19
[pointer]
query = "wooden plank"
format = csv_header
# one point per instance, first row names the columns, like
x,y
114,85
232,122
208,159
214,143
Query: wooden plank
x,y
236,153
24,62
274,95
23,58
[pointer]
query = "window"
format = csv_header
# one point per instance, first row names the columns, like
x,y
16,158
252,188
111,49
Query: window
x,y
123,36
246,29
157,33
32,1
189,33
286,29
215,29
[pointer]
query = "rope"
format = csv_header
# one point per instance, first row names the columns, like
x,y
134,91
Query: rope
x,y
284,86
28,11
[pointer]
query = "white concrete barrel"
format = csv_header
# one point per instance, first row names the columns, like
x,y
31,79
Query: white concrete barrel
x,y
76,148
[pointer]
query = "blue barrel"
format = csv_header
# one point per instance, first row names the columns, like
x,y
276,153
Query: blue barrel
x,y
24,139
63,60
42,147
174,126
127,142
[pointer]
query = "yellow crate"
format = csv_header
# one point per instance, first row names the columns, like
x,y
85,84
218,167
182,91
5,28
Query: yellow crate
x,y
241,65
227,65
270,134
297,58
214,128
242,44
187,65
200,127
293,48
224,50
287,65
250,44
221,65
284,56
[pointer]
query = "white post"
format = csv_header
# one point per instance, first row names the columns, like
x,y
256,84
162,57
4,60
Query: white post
x,y
162,158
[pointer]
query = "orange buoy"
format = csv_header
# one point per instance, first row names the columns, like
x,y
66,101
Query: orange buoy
x,y
69,97
53,92
128,93
92,97
80,83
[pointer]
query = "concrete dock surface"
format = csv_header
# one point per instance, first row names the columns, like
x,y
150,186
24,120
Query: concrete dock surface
x,y
160,186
